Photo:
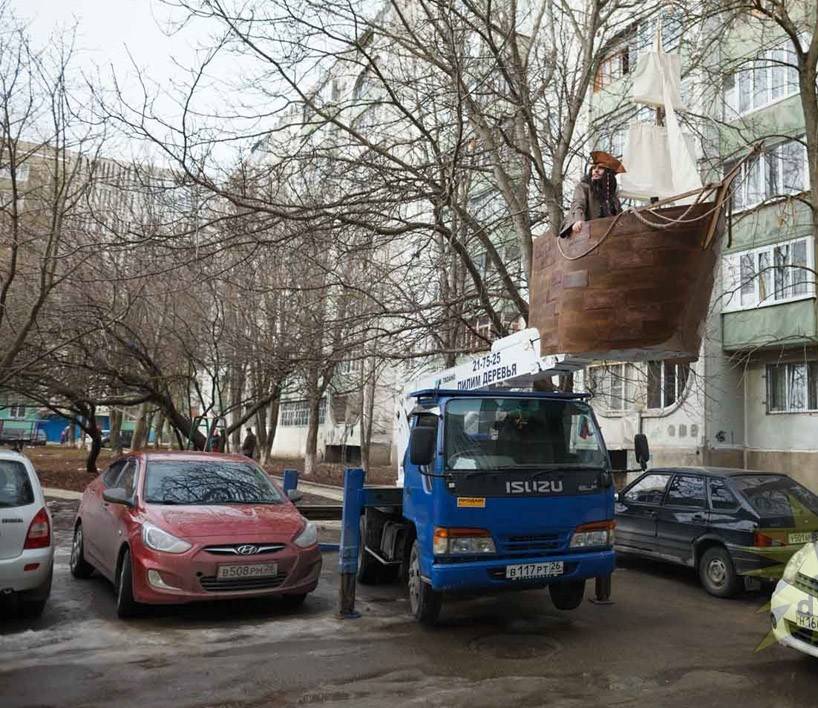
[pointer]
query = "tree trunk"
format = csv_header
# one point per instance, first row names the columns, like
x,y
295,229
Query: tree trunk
x,y
139,432
93,431
367,415
116,427
272,426
160,427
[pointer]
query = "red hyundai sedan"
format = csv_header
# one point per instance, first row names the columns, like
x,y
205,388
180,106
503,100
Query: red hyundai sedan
x,y
169,527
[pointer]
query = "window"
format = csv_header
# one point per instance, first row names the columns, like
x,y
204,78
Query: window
x,y
769,77
721,498
686,490
15,486
769,275
780,171
613,386
17,411
648,490
792,388
110,476
127,479
612,68
666,382
21,173
296,413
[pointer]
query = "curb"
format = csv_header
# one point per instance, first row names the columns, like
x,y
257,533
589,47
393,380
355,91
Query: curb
x,y
61,493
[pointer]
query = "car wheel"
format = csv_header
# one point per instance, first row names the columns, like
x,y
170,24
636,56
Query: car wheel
x,y
567,596
424,602
126,606
369,567
717,572
80,568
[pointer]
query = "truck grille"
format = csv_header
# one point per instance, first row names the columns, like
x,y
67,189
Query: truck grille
x,y
807,584
532,544
213,584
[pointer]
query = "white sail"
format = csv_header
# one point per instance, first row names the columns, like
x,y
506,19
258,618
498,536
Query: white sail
x,y
653,71
660,160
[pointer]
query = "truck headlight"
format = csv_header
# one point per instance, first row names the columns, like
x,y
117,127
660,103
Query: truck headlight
x,y
462,542
794,565
160,540
597,534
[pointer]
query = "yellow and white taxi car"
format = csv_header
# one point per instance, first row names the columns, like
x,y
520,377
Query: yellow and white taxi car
x,y
794,604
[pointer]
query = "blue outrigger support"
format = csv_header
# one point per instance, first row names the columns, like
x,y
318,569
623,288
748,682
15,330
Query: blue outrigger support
x,y
357,497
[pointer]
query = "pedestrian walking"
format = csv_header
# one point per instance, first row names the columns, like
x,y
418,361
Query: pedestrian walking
x,y
248,447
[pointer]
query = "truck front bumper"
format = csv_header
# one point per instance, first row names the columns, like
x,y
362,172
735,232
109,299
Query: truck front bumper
x,y
491,574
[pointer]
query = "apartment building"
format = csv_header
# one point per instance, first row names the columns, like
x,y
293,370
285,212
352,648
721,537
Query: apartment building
x,y
751,398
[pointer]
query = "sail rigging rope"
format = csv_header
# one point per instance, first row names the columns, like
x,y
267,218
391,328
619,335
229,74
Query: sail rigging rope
x,y
671,222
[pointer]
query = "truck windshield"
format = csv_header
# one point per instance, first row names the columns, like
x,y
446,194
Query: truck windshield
x,y
509,433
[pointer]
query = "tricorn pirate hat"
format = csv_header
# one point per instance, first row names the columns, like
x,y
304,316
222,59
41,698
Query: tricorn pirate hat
x,y
598,157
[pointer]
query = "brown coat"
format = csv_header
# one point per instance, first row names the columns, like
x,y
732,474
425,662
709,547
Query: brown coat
x,y
584,207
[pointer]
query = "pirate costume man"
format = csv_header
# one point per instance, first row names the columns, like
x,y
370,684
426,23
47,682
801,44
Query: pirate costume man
x,y
595,196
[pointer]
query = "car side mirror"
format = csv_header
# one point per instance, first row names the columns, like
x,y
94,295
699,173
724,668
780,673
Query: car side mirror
x,y
117,495
422,441
616,496
295,495
641,449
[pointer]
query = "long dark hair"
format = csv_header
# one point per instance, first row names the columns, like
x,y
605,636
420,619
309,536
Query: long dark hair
x,y
604,190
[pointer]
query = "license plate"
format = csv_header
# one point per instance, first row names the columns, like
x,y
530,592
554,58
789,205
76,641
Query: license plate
x,y
807,621
259,570
804,537
533,570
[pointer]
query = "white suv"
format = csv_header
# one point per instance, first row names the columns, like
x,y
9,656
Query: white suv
x,y
26,541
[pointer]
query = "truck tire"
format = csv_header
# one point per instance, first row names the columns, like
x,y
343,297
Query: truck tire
x,y
568,595
717,572
424,602
369,567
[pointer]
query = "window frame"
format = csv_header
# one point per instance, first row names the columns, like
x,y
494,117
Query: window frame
x,y
732,282
731,98
602,378
719,480
296,413
765,163
653,473
679,383
666,499
810,387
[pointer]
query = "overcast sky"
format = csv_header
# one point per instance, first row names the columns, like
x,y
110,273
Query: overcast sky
x,y
114,35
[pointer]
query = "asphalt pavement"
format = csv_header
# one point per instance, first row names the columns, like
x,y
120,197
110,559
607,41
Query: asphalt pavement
x,y
664,642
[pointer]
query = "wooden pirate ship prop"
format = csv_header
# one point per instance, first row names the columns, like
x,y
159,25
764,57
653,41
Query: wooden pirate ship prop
x,y
637,286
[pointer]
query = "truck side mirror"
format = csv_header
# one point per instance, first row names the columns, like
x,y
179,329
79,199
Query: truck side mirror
x,y
641,449
422,441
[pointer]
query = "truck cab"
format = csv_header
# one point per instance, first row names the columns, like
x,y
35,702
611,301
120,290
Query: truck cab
x,y
502,490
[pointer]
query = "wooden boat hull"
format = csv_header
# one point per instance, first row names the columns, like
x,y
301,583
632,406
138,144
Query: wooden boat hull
x,y
643,293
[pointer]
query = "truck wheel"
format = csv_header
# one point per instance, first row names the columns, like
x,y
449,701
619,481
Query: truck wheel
x,y
369,567
717,572
567,596
424,602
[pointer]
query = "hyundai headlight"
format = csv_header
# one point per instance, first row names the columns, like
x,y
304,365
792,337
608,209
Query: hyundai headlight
x,y
798,559
308,537
160,540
